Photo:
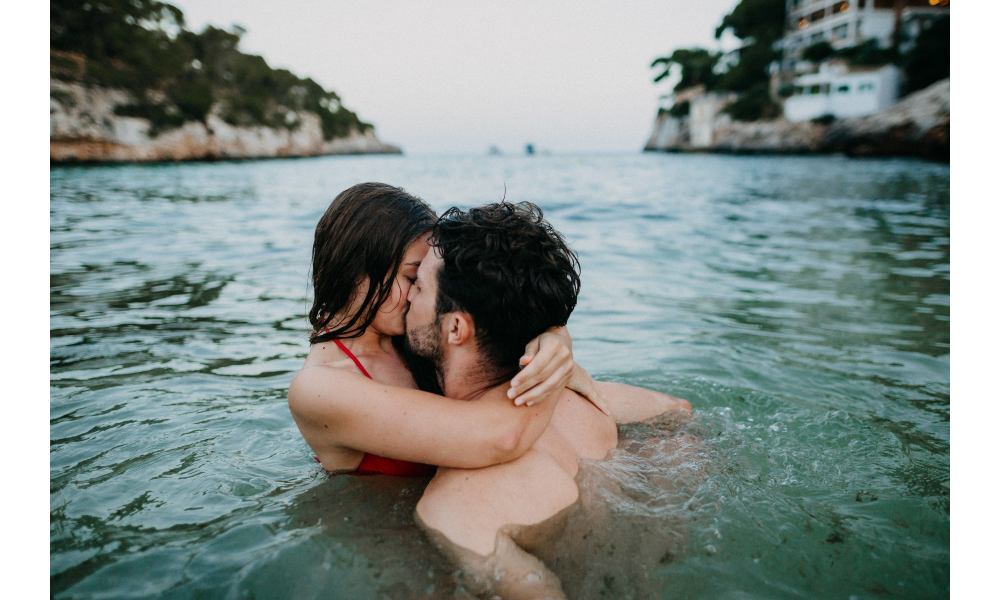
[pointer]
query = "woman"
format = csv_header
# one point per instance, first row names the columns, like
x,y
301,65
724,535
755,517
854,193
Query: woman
x,y
356,400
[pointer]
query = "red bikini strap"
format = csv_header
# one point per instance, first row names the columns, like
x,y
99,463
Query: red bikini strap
x,y
354,358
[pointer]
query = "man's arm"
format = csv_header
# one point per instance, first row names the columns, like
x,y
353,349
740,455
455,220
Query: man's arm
x,y
630,404
626,403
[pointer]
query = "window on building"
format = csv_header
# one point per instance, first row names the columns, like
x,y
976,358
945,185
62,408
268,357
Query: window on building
x,y
839,32
803,23
883,4
798,89
814,89
843,89
841,7
816,16
861,4
816,38
866,87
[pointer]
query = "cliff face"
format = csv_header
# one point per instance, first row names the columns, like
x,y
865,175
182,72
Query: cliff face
x,y
84,128
919,125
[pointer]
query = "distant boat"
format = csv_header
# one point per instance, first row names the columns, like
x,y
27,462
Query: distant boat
x,y
529,149
494,151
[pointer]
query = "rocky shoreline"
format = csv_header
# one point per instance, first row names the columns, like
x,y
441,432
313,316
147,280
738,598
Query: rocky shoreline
x,y
918,125
85,129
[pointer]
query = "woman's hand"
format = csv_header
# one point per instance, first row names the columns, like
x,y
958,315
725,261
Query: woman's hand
x,y
582,383
548,366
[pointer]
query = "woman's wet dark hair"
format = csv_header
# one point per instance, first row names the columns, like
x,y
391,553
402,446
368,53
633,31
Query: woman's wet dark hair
x,y
364,233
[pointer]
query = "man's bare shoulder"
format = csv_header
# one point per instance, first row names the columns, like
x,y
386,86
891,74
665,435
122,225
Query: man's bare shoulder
x,y
583,427
472,482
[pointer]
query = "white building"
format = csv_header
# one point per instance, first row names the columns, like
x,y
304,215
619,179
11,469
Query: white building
x,y
845,23
836,91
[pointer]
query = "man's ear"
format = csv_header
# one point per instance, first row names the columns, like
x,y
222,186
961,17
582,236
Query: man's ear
x,y
459,328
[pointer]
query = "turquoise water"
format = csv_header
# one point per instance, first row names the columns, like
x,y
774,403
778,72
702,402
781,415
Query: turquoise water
x,y
800,303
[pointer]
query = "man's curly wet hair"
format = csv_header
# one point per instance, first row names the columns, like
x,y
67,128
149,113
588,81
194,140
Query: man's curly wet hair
x,y
510,271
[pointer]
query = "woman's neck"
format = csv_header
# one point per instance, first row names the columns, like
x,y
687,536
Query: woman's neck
x,y
370,342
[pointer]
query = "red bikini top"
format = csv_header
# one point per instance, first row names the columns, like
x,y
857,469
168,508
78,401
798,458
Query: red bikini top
x,y
372,464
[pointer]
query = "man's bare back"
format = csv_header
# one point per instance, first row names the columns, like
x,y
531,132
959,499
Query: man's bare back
x,y
470,512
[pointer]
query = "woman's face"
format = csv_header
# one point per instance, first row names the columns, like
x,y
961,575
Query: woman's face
x,y
391,316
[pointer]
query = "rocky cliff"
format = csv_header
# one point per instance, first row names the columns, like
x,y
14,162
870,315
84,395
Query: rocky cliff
x,y
84,128
918,125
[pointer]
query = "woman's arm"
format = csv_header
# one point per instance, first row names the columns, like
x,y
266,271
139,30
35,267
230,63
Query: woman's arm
x,y
337,409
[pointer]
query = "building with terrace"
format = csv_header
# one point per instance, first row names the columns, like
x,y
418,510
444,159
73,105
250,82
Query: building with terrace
x,y
846,23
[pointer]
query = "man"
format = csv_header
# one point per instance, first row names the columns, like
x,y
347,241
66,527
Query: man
x,y
495,277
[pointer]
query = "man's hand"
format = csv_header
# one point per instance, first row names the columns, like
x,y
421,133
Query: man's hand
x,y
582,383
630,404
548,366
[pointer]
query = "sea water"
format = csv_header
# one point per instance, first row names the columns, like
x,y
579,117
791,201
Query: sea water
x,y
801,304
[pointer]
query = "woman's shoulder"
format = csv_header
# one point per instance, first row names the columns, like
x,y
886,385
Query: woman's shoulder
x,y
325,373
330,375
330,356
322,380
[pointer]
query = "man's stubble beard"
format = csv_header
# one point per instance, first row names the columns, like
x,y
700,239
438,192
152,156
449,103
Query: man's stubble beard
x,y
425,341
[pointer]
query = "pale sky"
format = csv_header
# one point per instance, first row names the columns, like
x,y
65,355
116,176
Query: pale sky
x,y
459,76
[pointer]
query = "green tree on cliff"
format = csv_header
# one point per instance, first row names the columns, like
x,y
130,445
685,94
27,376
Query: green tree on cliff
x,y
175,75
696,65
930,59
126,42
759,24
